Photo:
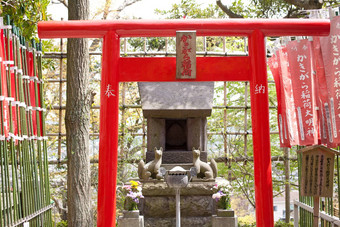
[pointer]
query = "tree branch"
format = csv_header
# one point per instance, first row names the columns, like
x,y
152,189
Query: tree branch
x,y
280,193
7,3
295,14
106,9
125,4
64,2
59,207
311,4
96,43
245,193
225,9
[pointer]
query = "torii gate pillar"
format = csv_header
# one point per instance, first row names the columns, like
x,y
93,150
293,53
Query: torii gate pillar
x,y
250,68
261,131
108,144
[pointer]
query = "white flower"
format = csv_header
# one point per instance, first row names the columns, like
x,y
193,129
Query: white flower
x,y
216,196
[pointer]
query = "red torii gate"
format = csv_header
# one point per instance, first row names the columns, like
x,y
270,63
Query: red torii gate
x,y
250,68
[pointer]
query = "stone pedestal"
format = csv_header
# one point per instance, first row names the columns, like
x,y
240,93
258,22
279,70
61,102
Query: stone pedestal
x,y
159,204
224,218
225,213
131,219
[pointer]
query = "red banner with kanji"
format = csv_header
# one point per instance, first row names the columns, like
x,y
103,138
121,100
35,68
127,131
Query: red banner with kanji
x,y
307,77
300,62
330,47
321,93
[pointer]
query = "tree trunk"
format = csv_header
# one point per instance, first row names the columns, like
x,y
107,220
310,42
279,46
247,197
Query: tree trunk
x,y
77,118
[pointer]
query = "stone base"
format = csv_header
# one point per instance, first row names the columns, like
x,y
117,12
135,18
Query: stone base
x,y
225,213
159,204
131,214
185,221
224,221
191,206
130,222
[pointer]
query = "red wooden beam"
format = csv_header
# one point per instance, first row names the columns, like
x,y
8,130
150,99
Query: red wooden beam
x,y
163,69
168,28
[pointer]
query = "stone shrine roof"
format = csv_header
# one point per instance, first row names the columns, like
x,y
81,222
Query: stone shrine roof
x,y
176,99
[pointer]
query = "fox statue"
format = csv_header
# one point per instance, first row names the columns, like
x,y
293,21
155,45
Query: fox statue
x,y
204,170
151,169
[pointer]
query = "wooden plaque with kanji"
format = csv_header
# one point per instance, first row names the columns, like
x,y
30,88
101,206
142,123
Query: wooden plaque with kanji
x,y
317,171
186,55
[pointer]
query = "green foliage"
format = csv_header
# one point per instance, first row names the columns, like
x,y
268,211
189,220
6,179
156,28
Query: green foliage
x,y
283,224
240,224
62,223
269,8
25,14
191,9
247,9
274,8
247,221
240,8
153,44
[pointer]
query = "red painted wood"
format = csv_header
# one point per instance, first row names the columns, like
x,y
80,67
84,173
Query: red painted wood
x,y
164,69
108,143
157,28
209,70
260,128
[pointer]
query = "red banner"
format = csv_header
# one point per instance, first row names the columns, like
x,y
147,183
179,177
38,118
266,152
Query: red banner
x,y
32,91
330,47
312,77
289,106
5,117
13,92
281,111
300,63
325,131
40,112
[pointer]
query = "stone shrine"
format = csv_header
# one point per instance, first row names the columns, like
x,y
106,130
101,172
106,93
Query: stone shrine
x,y
176,116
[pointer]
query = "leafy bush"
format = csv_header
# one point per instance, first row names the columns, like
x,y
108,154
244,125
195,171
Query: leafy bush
x,y
283,224
247,221
62,223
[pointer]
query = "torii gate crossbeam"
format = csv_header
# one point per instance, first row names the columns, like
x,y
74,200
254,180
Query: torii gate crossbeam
x,y
115,69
